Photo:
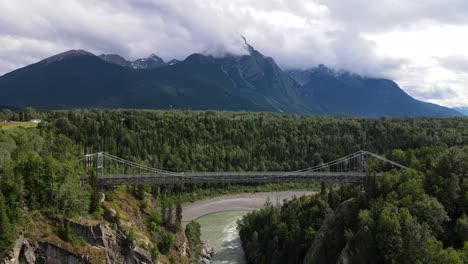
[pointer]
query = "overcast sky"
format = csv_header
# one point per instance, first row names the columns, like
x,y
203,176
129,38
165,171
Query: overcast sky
x,y
421,44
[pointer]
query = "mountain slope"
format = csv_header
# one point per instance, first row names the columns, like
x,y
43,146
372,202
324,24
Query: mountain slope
x,y
253,77
116,59
80,79
195,83
251,82
71,79
341,92
462,110
261,78
151,62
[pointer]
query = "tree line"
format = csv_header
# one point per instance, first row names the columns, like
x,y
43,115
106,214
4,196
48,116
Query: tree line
x,y
230,141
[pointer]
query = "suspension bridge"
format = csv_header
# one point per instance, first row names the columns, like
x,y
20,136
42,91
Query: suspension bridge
x,y
352,168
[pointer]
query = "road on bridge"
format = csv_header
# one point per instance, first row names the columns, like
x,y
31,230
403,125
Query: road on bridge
x,y
233,177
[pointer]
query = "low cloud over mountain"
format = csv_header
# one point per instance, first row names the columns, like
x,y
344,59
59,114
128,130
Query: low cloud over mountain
x,y
401,40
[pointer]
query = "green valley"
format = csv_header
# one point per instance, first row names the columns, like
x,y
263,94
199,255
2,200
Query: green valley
x,y
45,204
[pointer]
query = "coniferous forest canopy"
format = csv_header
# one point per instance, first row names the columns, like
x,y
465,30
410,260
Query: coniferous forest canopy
x,y
416,216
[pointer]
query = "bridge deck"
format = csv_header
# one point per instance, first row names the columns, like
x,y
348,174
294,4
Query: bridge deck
x,y
233,177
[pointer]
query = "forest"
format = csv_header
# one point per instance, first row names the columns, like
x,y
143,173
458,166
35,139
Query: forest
x,y
417,215
39,171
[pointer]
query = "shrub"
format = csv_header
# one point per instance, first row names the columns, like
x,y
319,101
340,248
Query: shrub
x,y
166,243
193,233
154,253
131,234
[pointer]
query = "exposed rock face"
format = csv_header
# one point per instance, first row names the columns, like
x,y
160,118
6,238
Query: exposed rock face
x,y
151,62
14,256
109,213
28,254
93,234
329,243
53,254
263,80
173,62
345,256
121,250
183,249
42,252
206,253
104,236
140,256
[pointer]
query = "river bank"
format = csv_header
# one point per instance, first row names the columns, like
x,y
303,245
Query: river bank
x,y
236,202
218,219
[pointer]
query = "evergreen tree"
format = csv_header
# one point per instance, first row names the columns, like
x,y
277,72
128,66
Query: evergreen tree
x,y
178,222
193,233
164,212
323,191
6,229
170,214
95,194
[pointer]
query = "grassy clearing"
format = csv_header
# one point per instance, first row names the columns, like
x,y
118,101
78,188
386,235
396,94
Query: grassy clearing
x,y
11,125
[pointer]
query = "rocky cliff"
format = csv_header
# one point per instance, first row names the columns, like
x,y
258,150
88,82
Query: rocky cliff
x,y
104,243
330,245
120,235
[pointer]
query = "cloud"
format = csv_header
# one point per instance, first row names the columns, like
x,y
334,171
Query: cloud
x,y
378,16
457,63
435,93
296,33
398,39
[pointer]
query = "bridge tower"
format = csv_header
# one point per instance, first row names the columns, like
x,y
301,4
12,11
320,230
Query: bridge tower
x,y
100,163
363,163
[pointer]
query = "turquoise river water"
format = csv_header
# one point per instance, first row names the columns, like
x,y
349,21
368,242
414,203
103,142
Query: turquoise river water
x,y
220,231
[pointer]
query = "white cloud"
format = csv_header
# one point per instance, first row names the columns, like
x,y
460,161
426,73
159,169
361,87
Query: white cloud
x,y
457,63
436,60
417,43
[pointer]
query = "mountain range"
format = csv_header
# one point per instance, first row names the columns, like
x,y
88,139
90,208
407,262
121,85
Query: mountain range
x,y
153,61
251,82
462,110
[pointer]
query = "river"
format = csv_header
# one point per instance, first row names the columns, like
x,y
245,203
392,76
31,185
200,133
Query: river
x,y
218,217
220,231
